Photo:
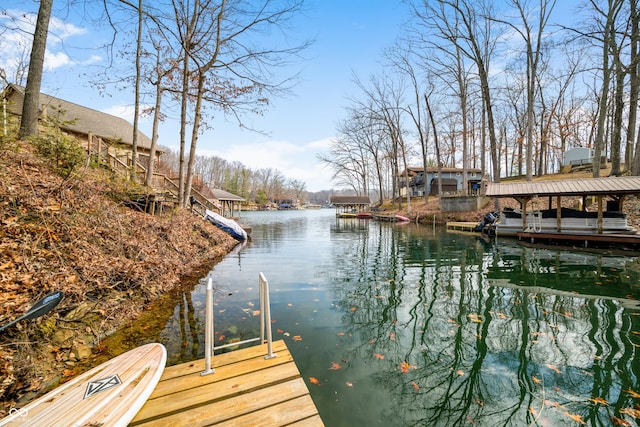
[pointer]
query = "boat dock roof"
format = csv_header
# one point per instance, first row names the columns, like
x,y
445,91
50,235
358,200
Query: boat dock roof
x,y
611,186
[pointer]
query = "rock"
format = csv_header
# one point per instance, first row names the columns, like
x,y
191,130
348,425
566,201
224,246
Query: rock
x,y
80,352
62,338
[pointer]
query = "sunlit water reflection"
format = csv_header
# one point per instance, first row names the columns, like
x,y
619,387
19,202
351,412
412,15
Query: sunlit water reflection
x,y
402,325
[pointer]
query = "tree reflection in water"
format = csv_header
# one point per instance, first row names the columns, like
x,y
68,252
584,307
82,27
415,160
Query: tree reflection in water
x,y
411,326
503,335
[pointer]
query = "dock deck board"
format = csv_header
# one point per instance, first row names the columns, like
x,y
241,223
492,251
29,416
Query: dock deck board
x,y
246,389
461,225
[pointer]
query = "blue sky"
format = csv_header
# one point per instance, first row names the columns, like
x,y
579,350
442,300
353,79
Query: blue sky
x,y
350,36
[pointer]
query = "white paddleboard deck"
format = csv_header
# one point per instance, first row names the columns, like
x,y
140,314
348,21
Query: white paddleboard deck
x,y
110,394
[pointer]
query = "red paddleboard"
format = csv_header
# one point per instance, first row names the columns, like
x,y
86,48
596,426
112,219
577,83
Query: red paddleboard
x,y
110,394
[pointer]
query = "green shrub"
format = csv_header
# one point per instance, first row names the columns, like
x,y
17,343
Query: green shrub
x,y
61,148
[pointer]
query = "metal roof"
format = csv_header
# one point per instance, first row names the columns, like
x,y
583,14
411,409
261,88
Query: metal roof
x,y
567,187
82,119
225,195
349,200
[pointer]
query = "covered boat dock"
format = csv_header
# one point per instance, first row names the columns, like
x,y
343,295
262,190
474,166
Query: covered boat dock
x,y
612,190
350,206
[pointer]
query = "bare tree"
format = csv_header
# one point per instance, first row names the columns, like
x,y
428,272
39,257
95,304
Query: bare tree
x,y
30,107
224,66
466,25
533,44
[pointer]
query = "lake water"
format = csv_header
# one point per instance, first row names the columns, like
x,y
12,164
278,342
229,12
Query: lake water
x,y
407,325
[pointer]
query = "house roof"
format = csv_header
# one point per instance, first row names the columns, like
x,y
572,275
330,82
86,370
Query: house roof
x,y
567,187
349,200
84,119
225,196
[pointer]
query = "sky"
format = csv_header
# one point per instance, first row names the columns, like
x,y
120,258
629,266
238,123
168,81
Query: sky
x,y
349,38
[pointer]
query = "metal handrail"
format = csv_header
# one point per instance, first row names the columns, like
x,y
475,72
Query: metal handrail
x,y
265,325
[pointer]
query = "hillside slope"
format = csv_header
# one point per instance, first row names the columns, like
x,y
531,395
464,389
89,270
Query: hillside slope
x,y
77,236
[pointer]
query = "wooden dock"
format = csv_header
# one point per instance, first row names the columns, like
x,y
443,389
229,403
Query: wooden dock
x,y
245,390
464,226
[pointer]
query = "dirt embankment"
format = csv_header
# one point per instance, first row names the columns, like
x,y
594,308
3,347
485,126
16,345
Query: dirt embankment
x,y
77,236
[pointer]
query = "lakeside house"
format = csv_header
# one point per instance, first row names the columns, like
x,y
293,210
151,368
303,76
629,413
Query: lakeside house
x,y
421,181
101,133
109,139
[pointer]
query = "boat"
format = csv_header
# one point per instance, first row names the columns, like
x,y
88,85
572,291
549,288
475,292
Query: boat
x,y
400,218
346,215
572,221
226,224
364,215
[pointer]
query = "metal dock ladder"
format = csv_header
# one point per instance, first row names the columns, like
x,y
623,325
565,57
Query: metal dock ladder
x,y
265,325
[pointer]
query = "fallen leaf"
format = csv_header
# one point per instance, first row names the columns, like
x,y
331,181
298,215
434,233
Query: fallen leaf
x,y
635,413
392,336
335,366
536,379
406,367
221,338
414,385
575,417
349,384
340,334
314,380
476,318
598,400
279,331
378,356
632,393
553,368
533,412
68,373
620,422
460,372
297,338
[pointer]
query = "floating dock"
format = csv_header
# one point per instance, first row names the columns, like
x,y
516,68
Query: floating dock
x,y
245,390
464,226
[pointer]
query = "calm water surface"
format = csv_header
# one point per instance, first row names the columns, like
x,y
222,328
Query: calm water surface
x,y
404,325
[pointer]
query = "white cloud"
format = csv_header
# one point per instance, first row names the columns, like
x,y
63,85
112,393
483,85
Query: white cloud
x,y
55,60
294,161
15,43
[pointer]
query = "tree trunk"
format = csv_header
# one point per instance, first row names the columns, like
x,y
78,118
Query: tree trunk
x,y
31,104
136,103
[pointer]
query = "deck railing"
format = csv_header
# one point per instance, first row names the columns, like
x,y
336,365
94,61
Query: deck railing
x,y
265,325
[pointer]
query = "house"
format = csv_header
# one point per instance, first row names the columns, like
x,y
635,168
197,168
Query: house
x,y
421,182
102,133
578,156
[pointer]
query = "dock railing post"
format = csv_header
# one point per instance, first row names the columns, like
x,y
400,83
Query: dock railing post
x,y
265,322
208,330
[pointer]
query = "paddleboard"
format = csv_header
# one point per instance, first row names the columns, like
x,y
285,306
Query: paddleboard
x,y
110,394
